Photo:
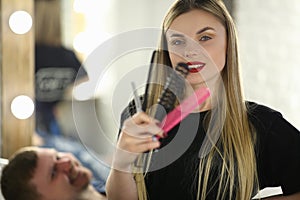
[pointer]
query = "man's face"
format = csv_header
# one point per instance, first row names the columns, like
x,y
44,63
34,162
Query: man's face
x,y
59,176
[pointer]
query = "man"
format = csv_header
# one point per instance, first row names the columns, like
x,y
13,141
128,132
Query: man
x,y
35,173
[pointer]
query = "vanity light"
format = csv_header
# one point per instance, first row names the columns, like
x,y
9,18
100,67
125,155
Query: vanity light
x,y
22,107
20,22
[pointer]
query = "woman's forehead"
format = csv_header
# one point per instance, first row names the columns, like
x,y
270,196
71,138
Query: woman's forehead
x,y
194,19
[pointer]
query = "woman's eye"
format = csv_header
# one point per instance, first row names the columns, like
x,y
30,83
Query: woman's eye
x,y
205,38
177,42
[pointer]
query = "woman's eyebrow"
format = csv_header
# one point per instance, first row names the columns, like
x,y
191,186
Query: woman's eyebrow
x,y
205,29
198,32
176,35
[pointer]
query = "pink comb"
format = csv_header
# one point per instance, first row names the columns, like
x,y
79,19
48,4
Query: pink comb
x,y
184,109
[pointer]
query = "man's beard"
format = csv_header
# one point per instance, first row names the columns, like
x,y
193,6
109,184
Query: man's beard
x,y
87,193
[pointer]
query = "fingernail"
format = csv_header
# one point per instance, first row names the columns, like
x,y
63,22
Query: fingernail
x,y
154,138
157,122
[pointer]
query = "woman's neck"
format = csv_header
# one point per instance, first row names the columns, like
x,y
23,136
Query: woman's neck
x,y
206,105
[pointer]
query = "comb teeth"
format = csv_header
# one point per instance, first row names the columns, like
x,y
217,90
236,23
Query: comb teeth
x,y
183,69
173,89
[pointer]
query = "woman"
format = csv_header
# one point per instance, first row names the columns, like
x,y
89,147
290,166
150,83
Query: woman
x,y
238,146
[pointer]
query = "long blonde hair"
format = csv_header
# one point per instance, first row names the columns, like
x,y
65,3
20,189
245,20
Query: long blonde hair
x,y
235,147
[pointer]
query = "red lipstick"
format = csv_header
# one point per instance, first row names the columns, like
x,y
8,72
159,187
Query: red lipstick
x,y
195,67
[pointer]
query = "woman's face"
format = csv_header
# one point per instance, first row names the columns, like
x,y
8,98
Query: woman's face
x,y
198,38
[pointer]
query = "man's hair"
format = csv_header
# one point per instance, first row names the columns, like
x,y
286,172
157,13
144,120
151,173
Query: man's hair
x,y
16,176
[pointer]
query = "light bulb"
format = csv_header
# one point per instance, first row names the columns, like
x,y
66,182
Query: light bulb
x,y
22,107
20,22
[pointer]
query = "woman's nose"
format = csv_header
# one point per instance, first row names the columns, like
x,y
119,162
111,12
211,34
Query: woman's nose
x,y
192,49
190,53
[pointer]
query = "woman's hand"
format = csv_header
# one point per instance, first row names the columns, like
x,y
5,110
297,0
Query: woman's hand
x,y
137,136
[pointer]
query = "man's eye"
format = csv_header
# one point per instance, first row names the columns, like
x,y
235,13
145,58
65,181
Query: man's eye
x,y
53,173
205,38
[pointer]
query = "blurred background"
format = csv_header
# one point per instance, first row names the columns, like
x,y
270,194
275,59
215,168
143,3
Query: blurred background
x,y
269,43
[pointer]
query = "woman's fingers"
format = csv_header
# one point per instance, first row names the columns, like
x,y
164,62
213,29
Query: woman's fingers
x,y
142,125
129,146
137,144
138,133
136,137
141,117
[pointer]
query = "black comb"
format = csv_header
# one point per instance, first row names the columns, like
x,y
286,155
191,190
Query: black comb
x,y
173,89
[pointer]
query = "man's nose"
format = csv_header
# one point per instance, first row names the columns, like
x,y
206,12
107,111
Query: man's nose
x,y
64,165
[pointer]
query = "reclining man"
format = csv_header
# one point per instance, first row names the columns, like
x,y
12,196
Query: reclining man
x,y
35,173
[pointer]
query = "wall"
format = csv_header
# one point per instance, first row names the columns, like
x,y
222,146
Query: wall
x,y
16,77
269,33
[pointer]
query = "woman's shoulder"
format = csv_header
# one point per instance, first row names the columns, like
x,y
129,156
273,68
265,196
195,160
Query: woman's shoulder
x,y
268,121
261,110
262,116
270,125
